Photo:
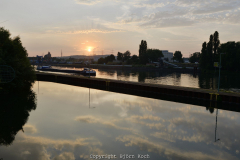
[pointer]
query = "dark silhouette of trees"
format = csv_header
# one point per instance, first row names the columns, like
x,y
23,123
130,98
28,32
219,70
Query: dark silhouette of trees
x,y
142,52
17,99
135,59
178,56
110,58
101,60
120,56
154,54
126,56
107,59
13,54
216,43
230,60
195,57
204,57
211,53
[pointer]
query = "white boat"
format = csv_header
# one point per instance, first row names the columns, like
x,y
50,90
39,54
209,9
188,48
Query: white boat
x,y
87,71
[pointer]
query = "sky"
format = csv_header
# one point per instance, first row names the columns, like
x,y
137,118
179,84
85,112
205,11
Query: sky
x,y
86,27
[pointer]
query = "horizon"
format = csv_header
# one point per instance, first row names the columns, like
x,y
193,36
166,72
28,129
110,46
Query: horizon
x,y
80,27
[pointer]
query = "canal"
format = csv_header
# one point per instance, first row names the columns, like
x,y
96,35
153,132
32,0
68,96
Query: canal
x,y
229,82
63,122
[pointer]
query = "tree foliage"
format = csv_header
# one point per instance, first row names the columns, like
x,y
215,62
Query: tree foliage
x,y
106,59
178,56
120,56
211,53
142,52
195,57
126,56
153,54
230,60
13,54
216,44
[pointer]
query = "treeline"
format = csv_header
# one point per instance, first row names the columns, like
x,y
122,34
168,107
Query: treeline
x,y
107,59
126,57
211,51
145,56
148,55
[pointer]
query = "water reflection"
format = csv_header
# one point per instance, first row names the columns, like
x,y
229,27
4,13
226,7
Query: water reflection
x,y
15,107
188,79
63,127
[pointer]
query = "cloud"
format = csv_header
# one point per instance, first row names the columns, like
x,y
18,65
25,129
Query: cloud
x,y
214,9
29,128
65,156
83,31
40,148
145,5
170,22
137,119
87,2
91,119
170,152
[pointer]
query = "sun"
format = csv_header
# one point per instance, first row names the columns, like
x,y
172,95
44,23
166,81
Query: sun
x,y
89,49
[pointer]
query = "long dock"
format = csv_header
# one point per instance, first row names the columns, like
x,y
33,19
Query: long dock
x,y
187,95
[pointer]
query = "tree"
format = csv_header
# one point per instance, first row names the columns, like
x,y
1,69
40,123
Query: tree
x,y
120,56
126,56
101,60
178,56
154,54
135,59
195,57
210,53
216,43
112,58
106,59
142,52
13,54
203,57
230,60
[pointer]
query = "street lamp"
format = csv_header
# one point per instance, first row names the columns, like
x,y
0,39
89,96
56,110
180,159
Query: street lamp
x,y
219,71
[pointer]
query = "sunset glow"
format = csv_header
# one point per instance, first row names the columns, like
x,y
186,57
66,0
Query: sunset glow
x,y
174,25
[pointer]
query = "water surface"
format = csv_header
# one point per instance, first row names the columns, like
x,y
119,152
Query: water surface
x,y
74,122
228,82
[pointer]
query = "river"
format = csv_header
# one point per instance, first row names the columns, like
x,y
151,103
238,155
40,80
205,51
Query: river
x,y
228,82
68,122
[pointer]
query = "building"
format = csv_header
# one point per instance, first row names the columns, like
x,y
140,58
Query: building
x,y
168,55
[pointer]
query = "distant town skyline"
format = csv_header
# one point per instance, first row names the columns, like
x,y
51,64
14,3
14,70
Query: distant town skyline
x,y
79,27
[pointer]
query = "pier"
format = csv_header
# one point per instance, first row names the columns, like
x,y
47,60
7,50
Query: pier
x,y
195,96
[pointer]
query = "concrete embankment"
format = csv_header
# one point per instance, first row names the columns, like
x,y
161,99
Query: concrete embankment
x,y
187,95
